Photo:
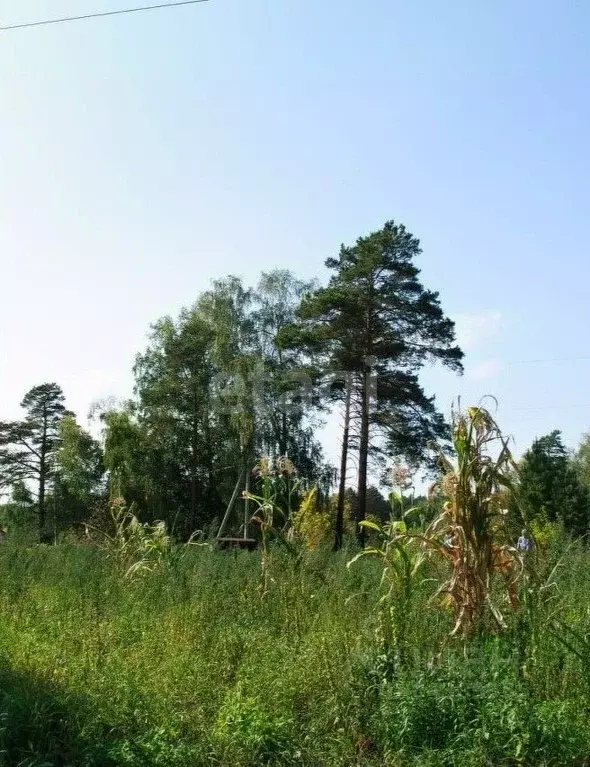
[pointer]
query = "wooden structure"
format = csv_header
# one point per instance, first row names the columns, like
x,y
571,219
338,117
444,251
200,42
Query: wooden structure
x,y
237,543
243,541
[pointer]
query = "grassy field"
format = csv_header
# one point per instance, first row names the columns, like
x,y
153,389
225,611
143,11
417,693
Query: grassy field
x,y
188,665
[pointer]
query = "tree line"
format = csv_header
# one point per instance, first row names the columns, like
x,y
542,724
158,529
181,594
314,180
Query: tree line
x,y
247,372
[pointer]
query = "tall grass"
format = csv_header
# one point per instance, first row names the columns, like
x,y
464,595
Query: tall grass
x,y
186,665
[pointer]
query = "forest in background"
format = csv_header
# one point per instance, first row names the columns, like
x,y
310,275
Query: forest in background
x,y
247,374
370,626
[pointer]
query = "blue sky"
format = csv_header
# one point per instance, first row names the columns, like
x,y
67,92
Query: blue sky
x,y
141,156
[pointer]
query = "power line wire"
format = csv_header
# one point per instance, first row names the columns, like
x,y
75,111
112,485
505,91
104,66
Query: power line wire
x,y
101,14
547,359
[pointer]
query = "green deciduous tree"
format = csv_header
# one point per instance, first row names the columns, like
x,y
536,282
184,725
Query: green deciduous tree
x,y
173,386
213,394
127,458
581,461
20,511
79,470
286,420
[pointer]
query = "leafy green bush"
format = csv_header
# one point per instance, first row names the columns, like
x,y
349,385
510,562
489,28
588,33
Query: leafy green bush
x,y
159,747
247,729
479,710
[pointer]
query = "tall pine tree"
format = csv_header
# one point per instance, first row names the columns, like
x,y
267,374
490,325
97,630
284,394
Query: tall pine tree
x,y
378,323
28,447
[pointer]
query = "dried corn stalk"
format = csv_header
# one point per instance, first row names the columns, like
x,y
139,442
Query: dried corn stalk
x,y
470,533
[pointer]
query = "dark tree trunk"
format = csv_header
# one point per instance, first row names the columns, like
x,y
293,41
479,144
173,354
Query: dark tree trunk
x,y
194,462
284,433
339,531
194,504
42,479
363,456
284,428
42,499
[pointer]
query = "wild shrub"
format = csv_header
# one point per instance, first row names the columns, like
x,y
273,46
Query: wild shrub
x,y
311,524
136,547
247,729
